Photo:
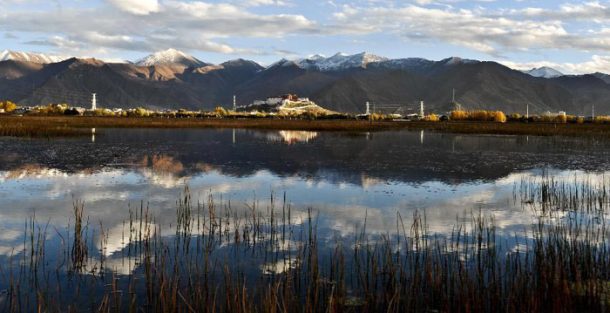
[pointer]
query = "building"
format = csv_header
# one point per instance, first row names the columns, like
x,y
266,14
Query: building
x,y
273,103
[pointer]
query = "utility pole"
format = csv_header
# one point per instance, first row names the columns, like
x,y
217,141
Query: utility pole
x,y
93,102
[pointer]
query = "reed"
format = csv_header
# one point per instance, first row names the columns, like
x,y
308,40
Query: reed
x,y
271,259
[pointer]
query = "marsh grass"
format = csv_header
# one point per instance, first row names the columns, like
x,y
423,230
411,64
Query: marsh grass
x,y
33,129
272,259
54,126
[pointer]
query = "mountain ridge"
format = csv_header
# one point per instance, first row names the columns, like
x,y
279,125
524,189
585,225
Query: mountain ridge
x,y
340,83
32,57
544,72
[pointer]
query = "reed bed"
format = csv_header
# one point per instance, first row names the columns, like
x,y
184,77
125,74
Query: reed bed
x,y
51,126
33,129
217,258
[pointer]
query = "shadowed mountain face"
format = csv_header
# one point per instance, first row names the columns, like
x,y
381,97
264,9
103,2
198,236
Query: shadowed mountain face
x,y
199,85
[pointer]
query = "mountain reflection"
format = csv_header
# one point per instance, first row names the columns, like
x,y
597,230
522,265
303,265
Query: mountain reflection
x,y
337,158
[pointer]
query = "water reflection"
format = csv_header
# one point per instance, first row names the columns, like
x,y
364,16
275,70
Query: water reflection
x,y
291,136
346,177
251,188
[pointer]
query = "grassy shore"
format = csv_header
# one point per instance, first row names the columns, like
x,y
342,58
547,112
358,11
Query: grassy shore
x,y
52,126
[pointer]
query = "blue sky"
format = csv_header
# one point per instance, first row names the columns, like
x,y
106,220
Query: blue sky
x,y
572,36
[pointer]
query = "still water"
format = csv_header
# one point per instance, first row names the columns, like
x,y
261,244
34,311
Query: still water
x,y
200,204
343,177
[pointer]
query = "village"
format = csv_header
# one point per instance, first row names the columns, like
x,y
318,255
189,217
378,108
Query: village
x,y
292,106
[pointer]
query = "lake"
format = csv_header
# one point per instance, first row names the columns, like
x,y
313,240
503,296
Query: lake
x,y
347,183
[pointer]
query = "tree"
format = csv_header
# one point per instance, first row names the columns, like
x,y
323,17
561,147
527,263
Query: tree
x,y
8,106
220,111
499,117
432,118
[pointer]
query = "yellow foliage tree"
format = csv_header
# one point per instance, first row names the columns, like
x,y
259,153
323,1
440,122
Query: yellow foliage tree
x,y
499,117
432,118
220,111
8,106
479,115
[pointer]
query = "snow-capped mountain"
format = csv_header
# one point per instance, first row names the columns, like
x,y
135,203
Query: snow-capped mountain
x,y
458,60
29,57
544,72
339,61
342,61
170,57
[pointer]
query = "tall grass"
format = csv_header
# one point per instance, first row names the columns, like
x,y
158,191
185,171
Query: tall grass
x,y
271,259
53,126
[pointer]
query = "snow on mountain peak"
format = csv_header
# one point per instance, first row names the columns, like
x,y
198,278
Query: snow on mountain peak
x,y
458,60
29,57
339,61
544,72
170,57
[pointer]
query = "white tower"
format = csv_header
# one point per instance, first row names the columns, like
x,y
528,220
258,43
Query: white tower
x,y
234,102
93,102
527,112
368,108
421,109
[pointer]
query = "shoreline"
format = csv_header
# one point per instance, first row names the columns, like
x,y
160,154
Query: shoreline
x,y
65,126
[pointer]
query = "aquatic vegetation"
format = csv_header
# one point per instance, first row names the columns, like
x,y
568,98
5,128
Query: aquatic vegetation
x,y
15,128
223,258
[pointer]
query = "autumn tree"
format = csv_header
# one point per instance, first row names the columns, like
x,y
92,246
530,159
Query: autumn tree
x,y
8,106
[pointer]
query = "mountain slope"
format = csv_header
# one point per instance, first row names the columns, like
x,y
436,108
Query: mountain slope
x,y
544,72
340,83
124,85
38,58
339,61
170,57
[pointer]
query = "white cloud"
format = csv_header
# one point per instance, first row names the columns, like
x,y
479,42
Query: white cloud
x,y
255,3
215,26
148,25
138,7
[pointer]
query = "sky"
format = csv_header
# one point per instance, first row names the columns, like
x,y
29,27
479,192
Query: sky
x,y
571,36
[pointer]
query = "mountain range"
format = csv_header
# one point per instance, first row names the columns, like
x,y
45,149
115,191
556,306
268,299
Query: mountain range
x,y
173,79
